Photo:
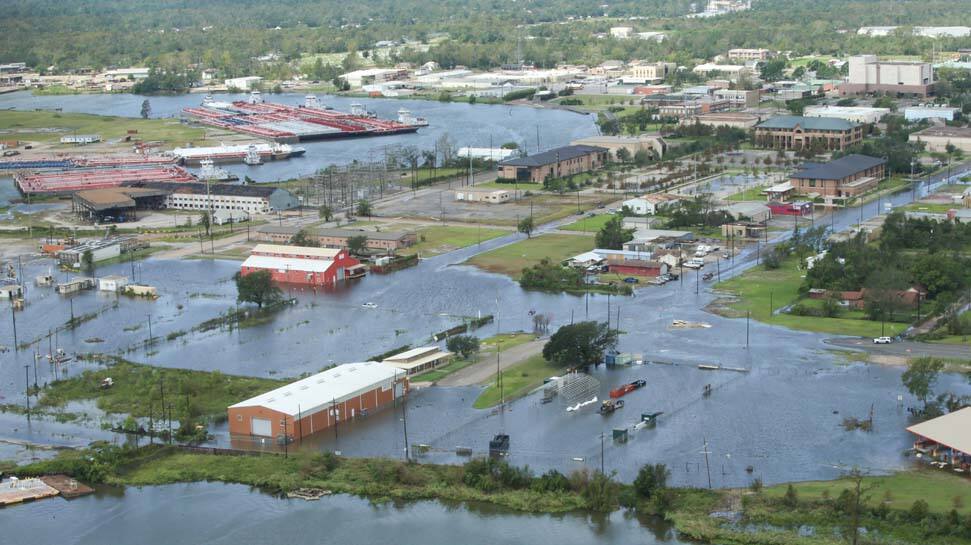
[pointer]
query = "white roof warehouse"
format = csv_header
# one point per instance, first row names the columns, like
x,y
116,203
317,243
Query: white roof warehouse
x,y
319,401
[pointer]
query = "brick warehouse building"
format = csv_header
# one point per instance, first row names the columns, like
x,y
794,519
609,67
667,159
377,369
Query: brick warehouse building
x,y
554,163
795,132
319,401
302,265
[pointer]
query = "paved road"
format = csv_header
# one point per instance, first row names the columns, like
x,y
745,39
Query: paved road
x,y
485,369
905,348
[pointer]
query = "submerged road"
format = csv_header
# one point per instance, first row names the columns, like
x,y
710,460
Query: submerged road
x,y
907,349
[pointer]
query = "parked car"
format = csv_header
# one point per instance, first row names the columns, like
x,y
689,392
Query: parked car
x,y
882,340
631,280
695,263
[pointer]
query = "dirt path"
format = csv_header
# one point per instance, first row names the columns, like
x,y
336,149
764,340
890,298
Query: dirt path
x,y
485,368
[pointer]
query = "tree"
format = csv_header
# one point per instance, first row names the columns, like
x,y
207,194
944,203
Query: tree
x,y
87,261
651,478
256,287
300,238
204,222
580,344
326,212
146,109
853,503
612,235
791,499
363,208
463,345
526,226
623,155
357,245
920,376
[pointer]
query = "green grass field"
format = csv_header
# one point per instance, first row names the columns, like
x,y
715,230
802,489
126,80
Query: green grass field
x,y
518,380
588,224
930,208
28,125
440,239
486,352
758,289
750,194
512,259
937,488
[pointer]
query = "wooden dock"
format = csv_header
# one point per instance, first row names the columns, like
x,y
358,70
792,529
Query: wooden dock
x,y
68,487
15,491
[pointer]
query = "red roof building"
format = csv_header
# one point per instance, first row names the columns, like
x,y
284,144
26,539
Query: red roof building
x,y
301,264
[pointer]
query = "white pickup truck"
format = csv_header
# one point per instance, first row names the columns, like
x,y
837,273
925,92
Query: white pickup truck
x,y
695,263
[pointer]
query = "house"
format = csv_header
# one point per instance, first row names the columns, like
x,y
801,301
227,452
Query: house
x,y
848,176
586,259
798,132
868,74
651,204
418,360
11,291
638,267
300,264
489,196
749,211
318,402
554,163
140,290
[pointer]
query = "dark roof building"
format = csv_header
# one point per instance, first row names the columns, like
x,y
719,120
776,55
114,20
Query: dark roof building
x,y
847,176
338,238
254,199
554,163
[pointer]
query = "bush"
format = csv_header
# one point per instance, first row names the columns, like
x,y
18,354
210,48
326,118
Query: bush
x,y
651,479
918,511
791,499
551,481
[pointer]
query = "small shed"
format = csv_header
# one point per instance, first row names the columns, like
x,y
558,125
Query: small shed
x,y
112,282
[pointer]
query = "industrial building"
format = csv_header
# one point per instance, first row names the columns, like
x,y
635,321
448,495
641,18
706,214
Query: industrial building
x,y
338,238
554,163
868,74
81,139
937,138
797,132
489,196
418,360
101,250
318,402
848,176
301,264
649,72
855,114
739,98
116,204
66,182
747,54
651,204
653,144
931,111
252,199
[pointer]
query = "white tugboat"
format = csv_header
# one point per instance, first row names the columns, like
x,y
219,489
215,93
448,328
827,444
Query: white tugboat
x,y
253,157
405,117
213,173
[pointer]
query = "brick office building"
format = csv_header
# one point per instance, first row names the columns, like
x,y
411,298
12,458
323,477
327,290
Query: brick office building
x,y
554,163
796,132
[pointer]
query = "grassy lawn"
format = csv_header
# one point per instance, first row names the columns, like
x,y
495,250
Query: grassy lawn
x,y
759,288
518,380
953,339
512,259
486,352
588,224
169,131
137,387
522,187
750,194
932,208
440,239
937,488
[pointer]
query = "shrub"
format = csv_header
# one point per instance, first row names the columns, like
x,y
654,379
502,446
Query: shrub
x,y
651,479
551,481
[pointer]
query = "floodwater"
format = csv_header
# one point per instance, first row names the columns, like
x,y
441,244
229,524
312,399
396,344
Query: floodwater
x,y
214,514
475,125
781,418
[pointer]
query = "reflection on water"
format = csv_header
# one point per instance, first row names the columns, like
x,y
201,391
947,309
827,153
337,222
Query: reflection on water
x,y
234,514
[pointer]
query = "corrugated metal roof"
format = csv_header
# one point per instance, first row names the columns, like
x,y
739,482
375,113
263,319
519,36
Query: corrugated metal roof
x,y
550,157
840,168
296,250
317,392
808,123
287,263
952,430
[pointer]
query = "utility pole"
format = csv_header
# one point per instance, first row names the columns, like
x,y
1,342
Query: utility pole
x,y
771,305
13,316
748,317
707,467
149,329
36,355
27,388
602,453
608,311
286,438
404,423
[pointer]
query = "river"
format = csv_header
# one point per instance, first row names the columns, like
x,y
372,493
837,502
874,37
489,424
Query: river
x,y
477,125
215,514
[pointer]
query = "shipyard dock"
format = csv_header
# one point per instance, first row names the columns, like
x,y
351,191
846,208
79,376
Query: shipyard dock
x,y
63,182
288,124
